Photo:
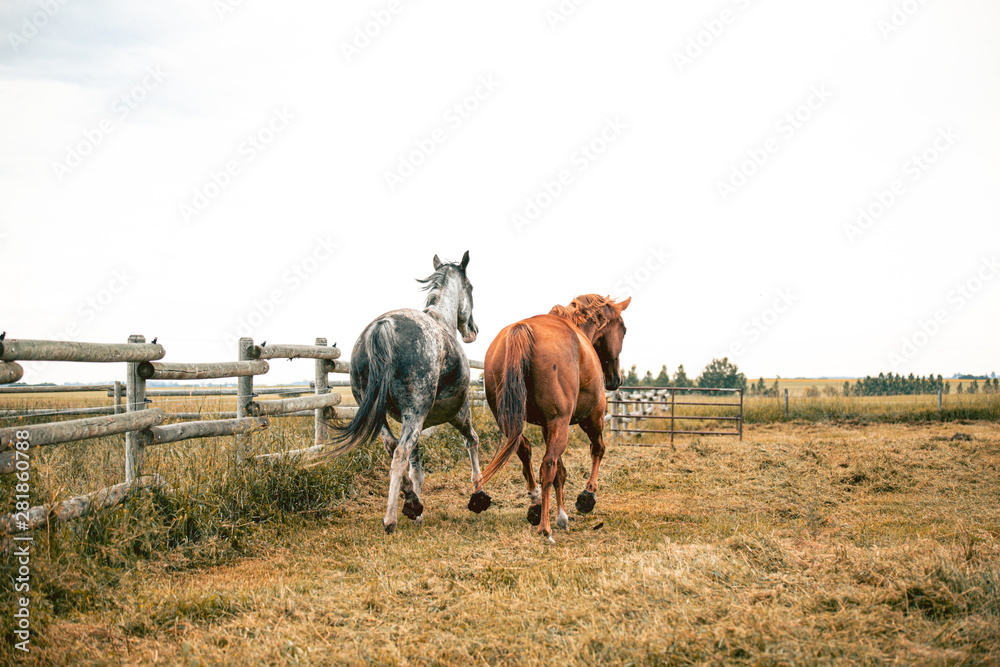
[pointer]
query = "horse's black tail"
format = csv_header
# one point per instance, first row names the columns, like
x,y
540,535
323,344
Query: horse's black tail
x,y
370,416
512,396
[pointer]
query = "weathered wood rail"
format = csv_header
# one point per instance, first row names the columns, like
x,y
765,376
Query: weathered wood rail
x,y
56,350
10,372
143,425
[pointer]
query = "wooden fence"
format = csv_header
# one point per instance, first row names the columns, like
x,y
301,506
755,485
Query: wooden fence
x,y
630,406
144,426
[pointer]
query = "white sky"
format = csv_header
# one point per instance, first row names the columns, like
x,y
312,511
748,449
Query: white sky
x,y
113,222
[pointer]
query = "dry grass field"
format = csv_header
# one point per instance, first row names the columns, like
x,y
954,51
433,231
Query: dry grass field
x,y
807,543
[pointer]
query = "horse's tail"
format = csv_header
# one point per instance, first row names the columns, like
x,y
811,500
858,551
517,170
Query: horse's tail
x,y
512,396
372,408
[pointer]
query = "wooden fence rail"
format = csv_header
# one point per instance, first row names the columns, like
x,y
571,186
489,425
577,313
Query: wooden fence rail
x,y
55,350
53,389
144,426
10,372
81,429
226,369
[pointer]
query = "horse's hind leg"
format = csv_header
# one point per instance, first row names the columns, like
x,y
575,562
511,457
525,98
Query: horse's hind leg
x,y
593,427
534,493
412,507
562,520
390,442
556,438
409,436
479,501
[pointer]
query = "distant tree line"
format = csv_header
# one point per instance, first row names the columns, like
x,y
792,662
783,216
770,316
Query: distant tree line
x,y
719,374
896,385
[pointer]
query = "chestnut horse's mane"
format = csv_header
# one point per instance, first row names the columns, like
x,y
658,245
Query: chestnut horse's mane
x,y
586,308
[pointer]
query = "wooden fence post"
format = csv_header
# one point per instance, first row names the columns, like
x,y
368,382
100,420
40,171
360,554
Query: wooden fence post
x,y
135,399
322,387
118,397
786,403
244,395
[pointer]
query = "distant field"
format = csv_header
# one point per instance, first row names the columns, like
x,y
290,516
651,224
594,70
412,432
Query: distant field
x,y
61,400
798,386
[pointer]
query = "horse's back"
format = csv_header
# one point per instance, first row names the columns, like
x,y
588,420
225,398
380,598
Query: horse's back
x,y
430,374
564,374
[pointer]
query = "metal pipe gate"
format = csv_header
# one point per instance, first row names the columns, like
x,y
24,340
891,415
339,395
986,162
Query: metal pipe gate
x,y
645,406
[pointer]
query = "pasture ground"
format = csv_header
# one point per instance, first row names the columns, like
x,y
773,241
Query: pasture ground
x,y
804,544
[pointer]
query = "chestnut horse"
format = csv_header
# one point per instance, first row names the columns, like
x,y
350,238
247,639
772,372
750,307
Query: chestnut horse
x,y
552,370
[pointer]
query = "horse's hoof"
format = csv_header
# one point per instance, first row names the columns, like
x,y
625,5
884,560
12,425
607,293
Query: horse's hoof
x,y
412,508
562,521
479,502
535,515
585,502
390,528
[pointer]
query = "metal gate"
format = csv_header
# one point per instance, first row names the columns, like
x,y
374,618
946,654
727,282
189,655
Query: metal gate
x,y
632,405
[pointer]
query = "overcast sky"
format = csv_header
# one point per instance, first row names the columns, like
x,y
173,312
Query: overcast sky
x,y
806,188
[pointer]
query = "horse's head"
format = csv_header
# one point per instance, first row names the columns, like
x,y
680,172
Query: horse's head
x,y
450,284
609,344
600,318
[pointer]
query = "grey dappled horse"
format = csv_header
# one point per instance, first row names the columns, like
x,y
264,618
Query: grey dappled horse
x,y
408,364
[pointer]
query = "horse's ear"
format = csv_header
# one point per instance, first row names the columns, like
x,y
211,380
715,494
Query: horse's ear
x,y
624,304
437,263
465,260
